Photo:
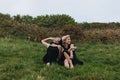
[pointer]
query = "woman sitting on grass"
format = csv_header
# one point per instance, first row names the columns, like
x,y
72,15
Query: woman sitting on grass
x,y
53,50
68,58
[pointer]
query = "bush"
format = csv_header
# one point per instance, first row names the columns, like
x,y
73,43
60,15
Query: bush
x,y
53,20
75,32
27,31
102,36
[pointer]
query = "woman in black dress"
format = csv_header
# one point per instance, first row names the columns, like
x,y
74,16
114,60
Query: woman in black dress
x,y
53,50
68,58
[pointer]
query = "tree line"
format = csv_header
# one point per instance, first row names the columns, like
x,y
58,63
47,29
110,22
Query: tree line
x,y
36,28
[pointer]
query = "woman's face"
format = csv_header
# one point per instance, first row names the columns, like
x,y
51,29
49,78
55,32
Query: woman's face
x,y
57,40
68,40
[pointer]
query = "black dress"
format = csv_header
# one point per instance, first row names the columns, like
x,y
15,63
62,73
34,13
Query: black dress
x,y
52,54
74,60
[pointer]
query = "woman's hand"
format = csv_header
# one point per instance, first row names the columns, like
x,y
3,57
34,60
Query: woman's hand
x,y
72,47
71,57
64,37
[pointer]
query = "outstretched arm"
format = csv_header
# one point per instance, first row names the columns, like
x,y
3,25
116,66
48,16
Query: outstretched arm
x,y
45,43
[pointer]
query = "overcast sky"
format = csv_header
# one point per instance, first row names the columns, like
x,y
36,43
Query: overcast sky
x,y
80,10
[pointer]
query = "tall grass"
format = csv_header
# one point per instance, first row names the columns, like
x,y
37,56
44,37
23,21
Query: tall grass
x,y
22,60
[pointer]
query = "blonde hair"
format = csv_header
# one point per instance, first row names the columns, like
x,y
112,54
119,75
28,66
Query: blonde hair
x,y
65,39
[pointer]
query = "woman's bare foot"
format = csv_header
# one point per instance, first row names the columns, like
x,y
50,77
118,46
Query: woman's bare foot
x,y
48,64
71,66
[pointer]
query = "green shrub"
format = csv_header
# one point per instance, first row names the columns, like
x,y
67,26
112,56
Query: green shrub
x,y
53,20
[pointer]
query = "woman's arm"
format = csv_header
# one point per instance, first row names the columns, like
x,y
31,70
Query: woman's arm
x,y
45,43
66,56
72,48
64,37
71,54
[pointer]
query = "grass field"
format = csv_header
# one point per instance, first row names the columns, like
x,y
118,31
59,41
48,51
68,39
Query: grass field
x,y
22,60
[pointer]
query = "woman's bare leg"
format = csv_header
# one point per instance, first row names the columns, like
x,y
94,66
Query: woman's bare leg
x,y
71,64
66,63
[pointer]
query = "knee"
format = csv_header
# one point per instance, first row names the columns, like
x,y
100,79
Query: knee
x,y
65,61
66,64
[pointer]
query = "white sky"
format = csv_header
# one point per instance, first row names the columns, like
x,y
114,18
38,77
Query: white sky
x,y
80,10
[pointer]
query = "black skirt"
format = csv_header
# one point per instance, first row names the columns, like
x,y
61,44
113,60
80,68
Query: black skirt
x,y
52,54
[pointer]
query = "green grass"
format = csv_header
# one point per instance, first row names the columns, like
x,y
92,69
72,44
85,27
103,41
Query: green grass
x,y
22,60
